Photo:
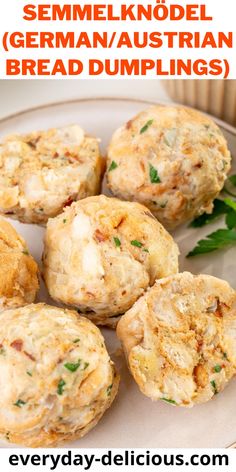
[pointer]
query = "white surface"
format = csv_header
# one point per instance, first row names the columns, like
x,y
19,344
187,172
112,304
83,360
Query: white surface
x,y
133,420
20,95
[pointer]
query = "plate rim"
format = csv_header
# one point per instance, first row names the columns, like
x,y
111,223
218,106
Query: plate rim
x,y
226,126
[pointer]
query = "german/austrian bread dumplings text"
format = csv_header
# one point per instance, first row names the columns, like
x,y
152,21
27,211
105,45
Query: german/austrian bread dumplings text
x,y
56,377
101,254
180,339
42,172
18,270
174,160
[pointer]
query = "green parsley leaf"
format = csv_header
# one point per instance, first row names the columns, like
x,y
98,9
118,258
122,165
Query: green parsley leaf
x,y
231,203
113,166
86,364
217,240
2,351
60,387
220,208
109,389
168,400
213,384
153,174
230,219
145,250
26,252
64,221
217,368
230,186
77,340
72,367
19,403
225,355
29,373
117,242
146,126
136,243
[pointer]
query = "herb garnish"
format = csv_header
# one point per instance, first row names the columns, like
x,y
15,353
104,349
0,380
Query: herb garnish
x,y
217,368
19,403
60,387
117,242
109,389
168,400
146,126
221,238
64,221
86,364
77,340
153,174
213,384
29,373
136,243
73,367
113,166
26,252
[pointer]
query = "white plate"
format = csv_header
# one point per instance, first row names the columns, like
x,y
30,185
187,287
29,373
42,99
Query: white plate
x,y
133,420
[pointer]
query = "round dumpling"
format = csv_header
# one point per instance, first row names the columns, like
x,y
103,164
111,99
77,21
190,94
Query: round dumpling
x,y
174,160
101,254
180,339
44,171
56,376
18,271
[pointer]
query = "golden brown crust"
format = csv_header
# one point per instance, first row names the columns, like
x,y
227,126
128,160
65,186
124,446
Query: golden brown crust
x,y
18,270
180,339
62,378
172,159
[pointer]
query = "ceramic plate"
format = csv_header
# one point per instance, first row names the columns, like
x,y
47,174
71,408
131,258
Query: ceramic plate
x,y
134,420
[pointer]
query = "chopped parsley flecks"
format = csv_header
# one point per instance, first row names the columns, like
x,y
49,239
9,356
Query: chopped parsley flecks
x,y
26,252
109,389
64,221
73,367
77,340
168,400
41,209
213,384
217,368
2,351
117,242
113,166
86,364
146,126
60,387
225,355
29,373
145,250
136,243
19,403
153,174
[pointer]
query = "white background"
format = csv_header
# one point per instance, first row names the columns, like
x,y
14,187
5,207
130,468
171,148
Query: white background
x,y
224,18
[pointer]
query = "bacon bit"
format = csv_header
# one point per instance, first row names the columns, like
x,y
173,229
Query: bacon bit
x,y
124,292
142,166
200,375
30,356
129,124
120,222
218,311
199,165
68,202
9,213
199,345
33,142
17,344
56,155
1,345
99,236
